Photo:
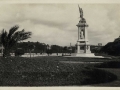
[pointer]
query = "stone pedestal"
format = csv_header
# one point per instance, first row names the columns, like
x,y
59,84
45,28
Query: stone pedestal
x,y
85,55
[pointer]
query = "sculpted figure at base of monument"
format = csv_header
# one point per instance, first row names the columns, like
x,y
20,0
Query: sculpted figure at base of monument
x,y
81,35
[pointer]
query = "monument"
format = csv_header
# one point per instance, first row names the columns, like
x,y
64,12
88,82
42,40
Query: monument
x,y
83,46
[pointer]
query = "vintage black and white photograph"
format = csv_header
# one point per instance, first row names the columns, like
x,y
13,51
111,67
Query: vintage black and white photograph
x,y
60,44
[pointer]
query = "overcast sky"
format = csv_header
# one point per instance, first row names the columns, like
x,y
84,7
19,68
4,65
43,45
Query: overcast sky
x,y
56,23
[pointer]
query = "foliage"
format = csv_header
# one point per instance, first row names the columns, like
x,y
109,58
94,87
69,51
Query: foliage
x,y
9,39
19,52
112,48
49,51
95,49
42,47
56,49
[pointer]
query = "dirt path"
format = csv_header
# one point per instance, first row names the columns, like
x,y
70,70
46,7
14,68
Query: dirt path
x,y
115,83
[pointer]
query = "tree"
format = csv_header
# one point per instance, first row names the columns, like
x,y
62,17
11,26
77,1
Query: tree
x,y
9,39
19,52
31,48
65,49
117,40
112,48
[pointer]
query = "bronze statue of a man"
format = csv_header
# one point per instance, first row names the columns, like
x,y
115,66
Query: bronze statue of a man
x,y
81,12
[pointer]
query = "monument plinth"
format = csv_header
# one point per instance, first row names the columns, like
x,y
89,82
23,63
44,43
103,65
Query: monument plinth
x,y
83,46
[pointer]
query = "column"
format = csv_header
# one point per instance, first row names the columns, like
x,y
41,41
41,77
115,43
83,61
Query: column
x,y
84,33
78,33
85,48
78,47
86,36
88,49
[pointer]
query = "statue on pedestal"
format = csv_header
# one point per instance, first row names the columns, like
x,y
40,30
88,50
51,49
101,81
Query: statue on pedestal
x,y
81,35
81,12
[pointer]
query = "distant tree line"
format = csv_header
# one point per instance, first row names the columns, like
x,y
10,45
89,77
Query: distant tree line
x,y
37,47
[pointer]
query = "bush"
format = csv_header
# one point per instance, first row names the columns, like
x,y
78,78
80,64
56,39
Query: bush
x,y
19,52
49,52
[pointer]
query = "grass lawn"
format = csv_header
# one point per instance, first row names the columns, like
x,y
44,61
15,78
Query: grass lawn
x,y
49,71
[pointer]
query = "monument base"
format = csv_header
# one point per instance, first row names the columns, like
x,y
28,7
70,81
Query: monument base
x,y
84,55
87,55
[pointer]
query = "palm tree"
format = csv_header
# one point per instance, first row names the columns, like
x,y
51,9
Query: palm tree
x,y
8,40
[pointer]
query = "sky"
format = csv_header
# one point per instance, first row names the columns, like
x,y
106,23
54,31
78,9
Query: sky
x,y
56,23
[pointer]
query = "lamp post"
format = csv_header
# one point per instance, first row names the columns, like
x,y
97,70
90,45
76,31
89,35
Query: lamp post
x,y
70,48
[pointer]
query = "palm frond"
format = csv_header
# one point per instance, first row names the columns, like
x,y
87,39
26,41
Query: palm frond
x,y
12,30
25,35
8,40
21,35
4,37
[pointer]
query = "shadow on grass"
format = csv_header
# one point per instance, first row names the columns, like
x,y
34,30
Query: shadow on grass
x,y
85,77
111,64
